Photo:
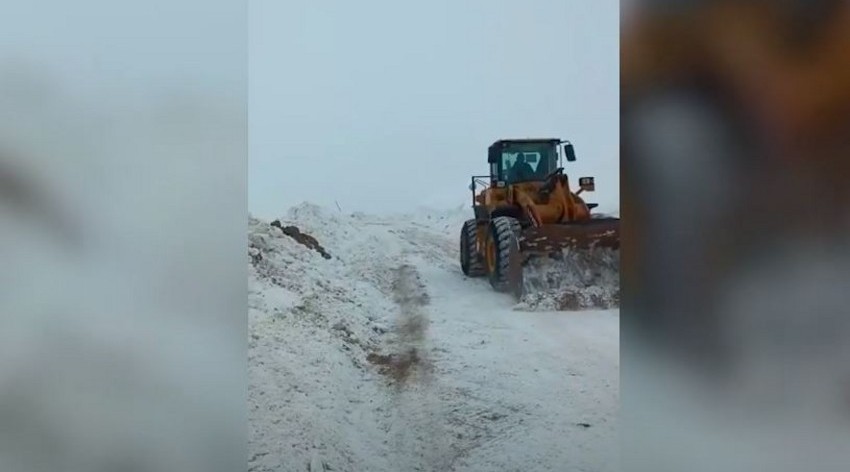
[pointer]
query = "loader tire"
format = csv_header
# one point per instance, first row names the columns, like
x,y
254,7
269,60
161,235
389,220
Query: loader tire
x,y
503,236
471,261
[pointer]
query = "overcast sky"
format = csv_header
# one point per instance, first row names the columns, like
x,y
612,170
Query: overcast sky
x,y
383,105
135,49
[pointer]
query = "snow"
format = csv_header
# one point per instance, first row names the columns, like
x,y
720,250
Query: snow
x,y
386,358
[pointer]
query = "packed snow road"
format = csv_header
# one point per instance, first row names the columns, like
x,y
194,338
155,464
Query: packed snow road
x,y
386,358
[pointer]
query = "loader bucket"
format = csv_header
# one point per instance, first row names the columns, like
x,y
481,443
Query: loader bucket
x,y
570,264
600,232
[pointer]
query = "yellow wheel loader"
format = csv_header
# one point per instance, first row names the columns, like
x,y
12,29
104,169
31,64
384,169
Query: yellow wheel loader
x,y
525,209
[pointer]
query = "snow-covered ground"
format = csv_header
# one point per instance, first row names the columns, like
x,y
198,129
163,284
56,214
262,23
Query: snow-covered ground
x,y
386,358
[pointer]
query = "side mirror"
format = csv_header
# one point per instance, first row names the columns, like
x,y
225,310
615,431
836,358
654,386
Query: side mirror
x,y
569,152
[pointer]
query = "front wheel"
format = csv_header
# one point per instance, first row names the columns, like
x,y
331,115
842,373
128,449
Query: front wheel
x,y
471,262
503,237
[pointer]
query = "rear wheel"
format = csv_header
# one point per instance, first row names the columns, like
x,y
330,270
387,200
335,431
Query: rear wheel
x,y
503,235
471,261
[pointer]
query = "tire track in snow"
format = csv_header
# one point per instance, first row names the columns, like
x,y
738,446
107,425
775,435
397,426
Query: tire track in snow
x,y
418,429
407,360
434,424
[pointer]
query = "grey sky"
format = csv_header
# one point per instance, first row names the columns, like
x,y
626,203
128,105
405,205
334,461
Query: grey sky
x,y
385,105
129,48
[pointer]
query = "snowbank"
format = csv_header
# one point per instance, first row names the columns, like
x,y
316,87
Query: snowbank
x,y
385,358
312,326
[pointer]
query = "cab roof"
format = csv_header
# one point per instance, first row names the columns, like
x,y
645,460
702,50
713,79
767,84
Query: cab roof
x,y
494,151
526,140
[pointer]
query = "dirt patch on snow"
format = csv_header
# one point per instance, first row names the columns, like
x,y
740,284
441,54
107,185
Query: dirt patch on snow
x,y
398,367
302,238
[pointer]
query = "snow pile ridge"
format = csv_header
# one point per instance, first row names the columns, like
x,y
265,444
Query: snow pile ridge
x,y
313,323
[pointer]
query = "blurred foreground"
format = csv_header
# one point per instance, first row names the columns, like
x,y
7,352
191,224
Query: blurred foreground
x,y
735,120
122,216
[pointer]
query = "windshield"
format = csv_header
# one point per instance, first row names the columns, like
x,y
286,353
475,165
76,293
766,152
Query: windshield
x,y
527,161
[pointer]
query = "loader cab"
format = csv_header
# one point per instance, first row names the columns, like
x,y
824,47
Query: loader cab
x,y
527,160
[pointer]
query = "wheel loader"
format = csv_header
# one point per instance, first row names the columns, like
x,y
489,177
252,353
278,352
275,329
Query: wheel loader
x,y
526,209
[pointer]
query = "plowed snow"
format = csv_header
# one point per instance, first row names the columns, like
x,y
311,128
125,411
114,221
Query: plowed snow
x,y
577,280
386,358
